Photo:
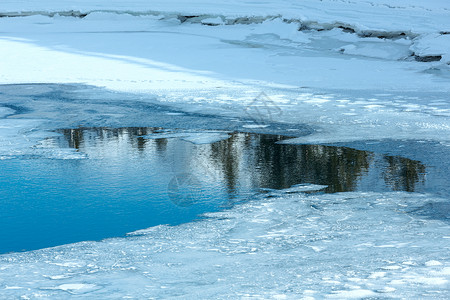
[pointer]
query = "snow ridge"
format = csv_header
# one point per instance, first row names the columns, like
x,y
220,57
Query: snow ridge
x,y
420,54
225,20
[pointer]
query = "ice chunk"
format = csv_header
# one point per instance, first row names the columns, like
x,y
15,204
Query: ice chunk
x,y
299,188
213,21
195,137
75,288
433,45
432,263
352,294
379,49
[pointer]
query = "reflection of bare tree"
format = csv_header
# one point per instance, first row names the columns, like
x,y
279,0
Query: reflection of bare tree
x,y
338,167
262,163
403,174
281,166
226,155
76,138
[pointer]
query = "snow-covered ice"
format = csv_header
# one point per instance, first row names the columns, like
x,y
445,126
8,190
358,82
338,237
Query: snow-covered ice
x,y
337,245
347,68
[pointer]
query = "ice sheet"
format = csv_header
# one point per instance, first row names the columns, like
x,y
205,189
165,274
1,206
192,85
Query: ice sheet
x,y
342,245
4,111
27,138
342,76
212,56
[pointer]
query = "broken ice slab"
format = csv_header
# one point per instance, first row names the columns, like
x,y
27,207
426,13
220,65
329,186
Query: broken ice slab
x,y
297,188
304,187
195,137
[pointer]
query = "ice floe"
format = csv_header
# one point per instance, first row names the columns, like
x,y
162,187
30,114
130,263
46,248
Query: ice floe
x,y
195,137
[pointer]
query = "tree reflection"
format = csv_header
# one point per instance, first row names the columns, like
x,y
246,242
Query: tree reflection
x,y
279,166
256,160
403,174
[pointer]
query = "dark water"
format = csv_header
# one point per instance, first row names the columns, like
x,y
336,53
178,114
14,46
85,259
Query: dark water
x,y
130,183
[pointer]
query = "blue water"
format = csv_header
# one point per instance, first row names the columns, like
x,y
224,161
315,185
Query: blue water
x,y
52,202
130,183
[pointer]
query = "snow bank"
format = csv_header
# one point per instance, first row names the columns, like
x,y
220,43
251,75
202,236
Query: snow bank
x,y
343,81
228,45
370,14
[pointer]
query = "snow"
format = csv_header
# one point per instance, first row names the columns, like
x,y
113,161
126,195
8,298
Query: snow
x,y
316,245
322,63
213,21
413,14
377,49
74,288
436,44
354,294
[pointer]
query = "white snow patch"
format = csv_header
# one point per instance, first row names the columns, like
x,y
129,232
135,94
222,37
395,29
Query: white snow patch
x,y
375,275
433,263
433,45
430,280
385,50
387,289
213,21
353,294
75,288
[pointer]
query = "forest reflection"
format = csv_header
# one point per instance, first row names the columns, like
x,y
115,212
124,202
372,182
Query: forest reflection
x,y
256,160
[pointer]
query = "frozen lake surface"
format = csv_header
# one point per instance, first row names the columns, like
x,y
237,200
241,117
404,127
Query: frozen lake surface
x,y
274,218
119,115
135,178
